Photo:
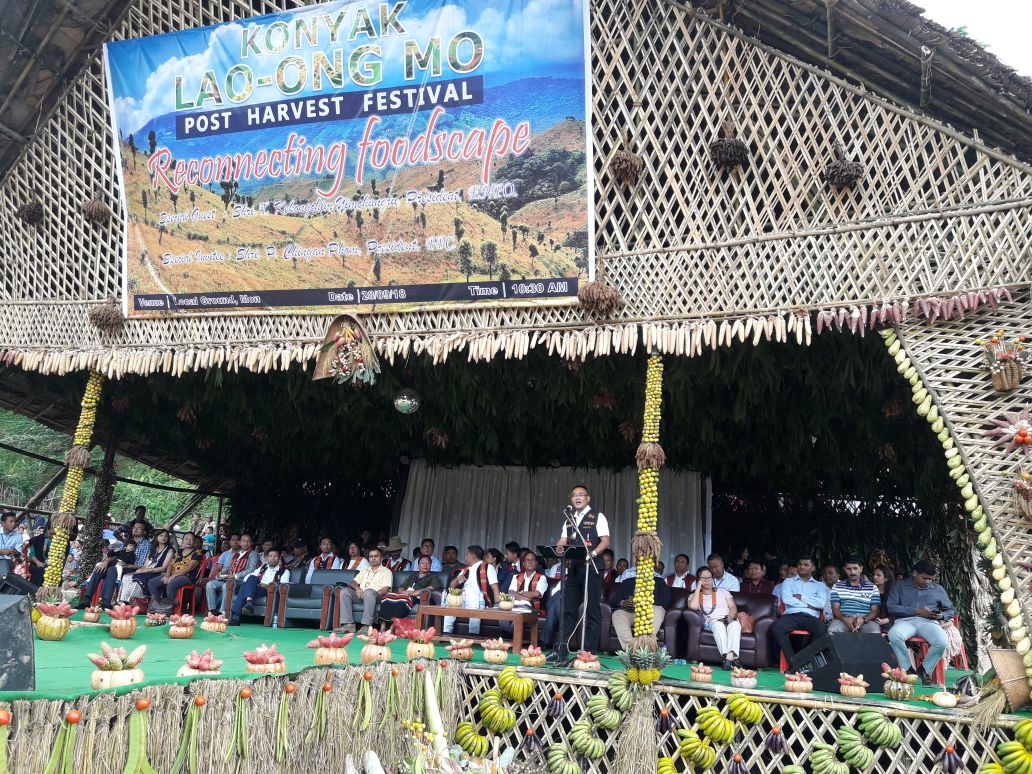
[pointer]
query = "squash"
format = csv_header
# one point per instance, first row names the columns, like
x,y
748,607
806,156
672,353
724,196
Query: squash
x,y
453,600
586,665
944,699
743,682
212,626
52,628
331,656
898,691
373,653
419,650
91,616
122,628
180,632
533,661
462,653
276,668
492,656
185,671
855,691
102,679
506,604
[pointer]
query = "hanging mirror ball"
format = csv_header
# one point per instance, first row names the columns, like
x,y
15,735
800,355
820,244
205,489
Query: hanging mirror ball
x,y
407,401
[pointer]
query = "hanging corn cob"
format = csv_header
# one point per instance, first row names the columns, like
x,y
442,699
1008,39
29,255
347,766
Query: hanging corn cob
x,y
646,545
78,458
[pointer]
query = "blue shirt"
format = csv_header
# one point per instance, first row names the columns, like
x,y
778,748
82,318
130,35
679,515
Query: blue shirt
x,y
813,592
905,598
14,541
142,551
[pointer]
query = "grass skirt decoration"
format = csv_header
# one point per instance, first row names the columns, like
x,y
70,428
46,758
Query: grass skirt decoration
x,y
108,317
598,298
842,173
346,355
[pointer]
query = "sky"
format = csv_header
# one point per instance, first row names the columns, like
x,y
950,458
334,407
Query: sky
x,y
1003,25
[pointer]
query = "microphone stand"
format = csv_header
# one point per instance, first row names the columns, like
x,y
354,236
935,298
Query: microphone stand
x,y
590,562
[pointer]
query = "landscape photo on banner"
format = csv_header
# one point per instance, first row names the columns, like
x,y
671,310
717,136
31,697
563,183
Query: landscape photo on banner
x,y
352,155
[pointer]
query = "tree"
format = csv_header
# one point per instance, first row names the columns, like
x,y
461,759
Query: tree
x,y
377,267
459,231
376,214
489,252
359,220
503,273
193,198
143,198
152,141
161,232
175,198
422,220
372,184
132,145
504,220
513,232
466,258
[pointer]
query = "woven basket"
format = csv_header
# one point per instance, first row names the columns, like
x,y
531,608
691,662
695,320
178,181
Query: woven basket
x,y
1006,375
1011,673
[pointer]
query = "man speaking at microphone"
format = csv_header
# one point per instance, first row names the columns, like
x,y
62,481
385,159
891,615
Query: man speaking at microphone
x,y
594,528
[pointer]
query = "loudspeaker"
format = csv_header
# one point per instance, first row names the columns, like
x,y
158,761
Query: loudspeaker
x,y
16,584
854,654
17,649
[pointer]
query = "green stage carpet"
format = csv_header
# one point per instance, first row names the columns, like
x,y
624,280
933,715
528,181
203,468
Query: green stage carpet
x,y
63,671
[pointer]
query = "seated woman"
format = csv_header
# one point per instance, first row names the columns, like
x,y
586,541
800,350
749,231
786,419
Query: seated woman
x,y
718,608
183,571
162,554
400,603
354,560
882,578
110,570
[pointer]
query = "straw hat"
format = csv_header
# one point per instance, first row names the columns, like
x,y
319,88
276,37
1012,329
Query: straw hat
x,y
395,544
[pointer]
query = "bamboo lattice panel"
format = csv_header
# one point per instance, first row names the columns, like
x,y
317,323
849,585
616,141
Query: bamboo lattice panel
x,y
951,368
935,212
803,724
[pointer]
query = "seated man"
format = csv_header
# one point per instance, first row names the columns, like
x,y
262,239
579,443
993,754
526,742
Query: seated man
x,y
854,601
830,575
920,608
804,598
528,589
369,585
548,634
450,559
680,578
393,560
326,560
511,564
788,570
479,583
241,564
623,613
298,557
107,573
256,585
755,582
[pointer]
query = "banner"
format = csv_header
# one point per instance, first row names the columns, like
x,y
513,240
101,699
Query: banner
x,y
352,155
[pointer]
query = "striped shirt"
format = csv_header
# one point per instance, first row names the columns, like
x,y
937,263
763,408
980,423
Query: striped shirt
x,y
855,600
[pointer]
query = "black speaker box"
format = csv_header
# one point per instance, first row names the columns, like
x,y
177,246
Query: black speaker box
x,y
854,654
15,584
17,649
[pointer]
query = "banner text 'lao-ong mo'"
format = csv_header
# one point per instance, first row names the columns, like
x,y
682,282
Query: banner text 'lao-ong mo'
x,y
357,154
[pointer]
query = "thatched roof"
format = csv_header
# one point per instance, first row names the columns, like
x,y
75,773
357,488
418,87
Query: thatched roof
x,y
879,44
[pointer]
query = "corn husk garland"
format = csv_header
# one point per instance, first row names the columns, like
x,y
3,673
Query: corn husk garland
x,y
108,317
727,151
598,298
650,455
841,173
626,166
32,211
646,545
96,210
77,457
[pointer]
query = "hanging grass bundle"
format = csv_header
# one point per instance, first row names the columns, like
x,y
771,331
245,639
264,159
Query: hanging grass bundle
x,y
650,455
77,457
108,317
32,211
646,544
727,151
627,166
598,298
639,743
841,173
96,210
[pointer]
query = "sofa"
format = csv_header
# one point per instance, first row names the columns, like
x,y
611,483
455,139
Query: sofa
x,y
670,634
699,644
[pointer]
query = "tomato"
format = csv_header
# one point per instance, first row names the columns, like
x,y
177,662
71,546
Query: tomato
x,y
245,693
73,717
368,676
5,718
327,687
142,704
290,687
200,701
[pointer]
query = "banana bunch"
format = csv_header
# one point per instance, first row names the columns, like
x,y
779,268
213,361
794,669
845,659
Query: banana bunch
x,y
792,769
991,768
1023,733
851,745
560,761
515,687
744,709
603,713
666,766
879,730
495,713
714,725
468,739
1014,757
695,749
620,691
823,760
584,741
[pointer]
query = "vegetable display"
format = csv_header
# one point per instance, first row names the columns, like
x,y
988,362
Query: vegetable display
x,y
123,621
53,623
265,659
331,649
200,664
115,667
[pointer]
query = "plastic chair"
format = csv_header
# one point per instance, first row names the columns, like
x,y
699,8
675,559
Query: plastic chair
x,y
960,661
783,662
185,594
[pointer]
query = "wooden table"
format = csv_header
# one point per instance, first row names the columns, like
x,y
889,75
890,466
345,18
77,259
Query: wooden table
x,y
519,618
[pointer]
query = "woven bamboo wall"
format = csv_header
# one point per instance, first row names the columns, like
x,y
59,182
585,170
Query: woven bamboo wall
x,y
935,212
951,368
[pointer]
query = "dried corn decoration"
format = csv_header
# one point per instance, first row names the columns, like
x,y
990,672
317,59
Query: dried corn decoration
x,y
77,459
645,547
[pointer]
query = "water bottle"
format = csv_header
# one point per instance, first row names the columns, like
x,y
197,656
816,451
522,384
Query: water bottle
x,y
275,621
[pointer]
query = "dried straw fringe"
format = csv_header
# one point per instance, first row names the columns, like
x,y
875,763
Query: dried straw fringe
x,y
108,318
639,745
32,211
598,298
643,642
650,455
78,456
727,151
64,520
646,545
626,165
96,210
842,173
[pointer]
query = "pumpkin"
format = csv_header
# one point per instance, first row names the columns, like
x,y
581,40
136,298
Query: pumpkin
x,y
793,684
51,628
212,626
461,653
122,628
533,661
102,679
743,682
91,616
329,656
453,600
495,656
506,604
898,691
944,699
373,653
586,665
276,668
419,650
180,632
185,671
855,691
